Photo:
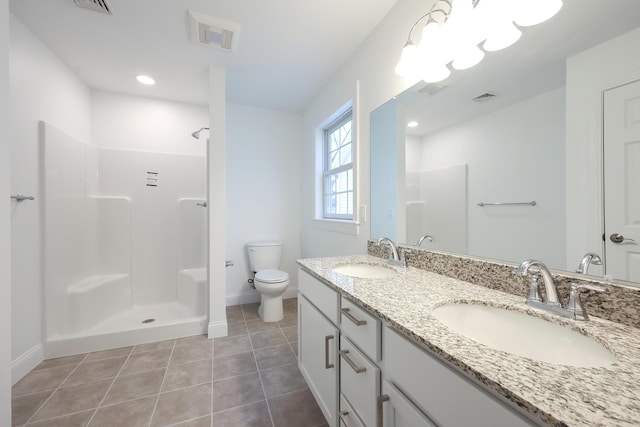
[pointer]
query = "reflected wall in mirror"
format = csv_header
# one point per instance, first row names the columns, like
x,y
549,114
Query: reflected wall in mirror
x,y
537,140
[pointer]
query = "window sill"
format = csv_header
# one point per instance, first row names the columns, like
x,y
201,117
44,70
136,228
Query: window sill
x,y
338,226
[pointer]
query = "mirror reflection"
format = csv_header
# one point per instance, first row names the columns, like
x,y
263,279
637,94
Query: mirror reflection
x,y
479,164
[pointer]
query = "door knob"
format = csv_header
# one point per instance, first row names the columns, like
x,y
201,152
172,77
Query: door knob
x,y
619,238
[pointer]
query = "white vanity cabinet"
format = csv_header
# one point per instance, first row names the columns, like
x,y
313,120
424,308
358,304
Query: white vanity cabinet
x,y
318,341
444,396
395,410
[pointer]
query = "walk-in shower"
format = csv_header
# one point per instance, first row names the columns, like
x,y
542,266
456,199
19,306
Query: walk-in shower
x,y
125,245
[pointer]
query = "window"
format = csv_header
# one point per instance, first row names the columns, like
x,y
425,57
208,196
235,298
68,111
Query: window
x,y
338,169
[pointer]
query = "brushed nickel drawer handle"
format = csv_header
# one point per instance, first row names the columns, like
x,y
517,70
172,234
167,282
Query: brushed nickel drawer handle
x,y
356,368
379,409
349,316
327,365
343,417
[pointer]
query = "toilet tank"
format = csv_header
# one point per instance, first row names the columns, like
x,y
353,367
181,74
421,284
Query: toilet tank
x,y
264,255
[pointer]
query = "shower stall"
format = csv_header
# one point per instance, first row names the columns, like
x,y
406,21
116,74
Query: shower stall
x,y
125,247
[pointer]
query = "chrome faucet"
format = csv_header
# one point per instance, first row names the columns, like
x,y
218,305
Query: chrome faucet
x,y
550,288
574,308
396,255
423,238
588,259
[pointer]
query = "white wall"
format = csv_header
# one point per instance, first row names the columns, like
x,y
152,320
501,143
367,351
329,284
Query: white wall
x,y
373,67
514,154
42,88
5,237
589,73
263,191
146,124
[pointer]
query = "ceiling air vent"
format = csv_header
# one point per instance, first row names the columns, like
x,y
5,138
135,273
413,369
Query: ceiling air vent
x,y
432,89
97,5
485,97
214,32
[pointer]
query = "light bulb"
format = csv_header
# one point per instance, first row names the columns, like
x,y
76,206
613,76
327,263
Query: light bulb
x,y
502,36
533,12
434,72
468,57
408,60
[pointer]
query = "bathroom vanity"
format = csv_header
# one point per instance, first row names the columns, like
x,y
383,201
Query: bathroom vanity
x,y
374,354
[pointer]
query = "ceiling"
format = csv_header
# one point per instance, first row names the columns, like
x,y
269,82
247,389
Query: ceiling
x,y
288,49
533,65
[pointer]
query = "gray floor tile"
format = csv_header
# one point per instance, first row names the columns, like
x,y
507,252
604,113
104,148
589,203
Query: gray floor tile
x,y
134,413
295,410
282,379
41,380
105,354
146,361
234,329
192,340
76,398
267,339
92,371
61,361
289,320
153,346
182,405
135,386
274,356
236,391
198,422
236,364
80,419
253,415
290,333
192,352
250,311
235,317
294,347
231,345
23,407
188,374
254,326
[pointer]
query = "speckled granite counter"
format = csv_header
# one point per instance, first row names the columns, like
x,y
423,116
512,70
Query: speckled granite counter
x,y
556,395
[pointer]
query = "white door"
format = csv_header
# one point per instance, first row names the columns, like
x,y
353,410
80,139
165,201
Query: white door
x,y
622,181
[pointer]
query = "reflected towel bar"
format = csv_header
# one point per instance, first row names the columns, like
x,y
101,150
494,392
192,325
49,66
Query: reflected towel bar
x,y
21,197
532,203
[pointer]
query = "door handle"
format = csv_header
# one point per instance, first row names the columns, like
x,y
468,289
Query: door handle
x,y
347,313
379,409
619,238
357,369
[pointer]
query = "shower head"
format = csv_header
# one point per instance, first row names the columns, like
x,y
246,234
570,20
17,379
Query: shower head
x,y
196,134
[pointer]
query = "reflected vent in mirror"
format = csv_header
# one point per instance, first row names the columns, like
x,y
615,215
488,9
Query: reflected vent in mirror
x,y
432,89
485,97
97,5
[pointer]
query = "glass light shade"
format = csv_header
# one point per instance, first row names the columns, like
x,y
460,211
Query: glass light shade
x,y
408,60
468,57
533,12
501,37
434,72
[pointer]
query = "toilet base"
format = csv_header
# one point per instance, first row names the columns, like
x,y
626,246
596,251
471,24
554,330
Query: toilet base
x,y
270,309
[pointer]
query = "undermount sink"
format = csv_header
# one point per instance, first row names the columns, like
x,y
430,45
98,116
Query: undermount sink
x,y
523,335
365,271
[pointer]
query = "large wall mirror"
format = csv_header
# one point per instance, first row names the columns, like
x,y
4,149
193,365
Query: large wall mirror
x,y
483,169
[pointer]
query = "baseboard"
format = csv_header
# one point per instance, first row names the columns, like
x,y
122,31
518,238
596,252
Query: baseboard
x,y
26,362
255,297
217,329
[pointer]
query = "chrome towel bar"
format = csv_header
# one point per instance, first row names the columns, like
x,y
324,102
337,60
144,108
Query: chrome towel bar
x,y
532,203
21,197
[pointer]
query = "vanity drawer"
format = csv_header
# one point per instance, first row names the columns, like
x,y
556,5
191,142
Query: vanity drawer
x,y
361,328
320,295
438,389
359,381
348,416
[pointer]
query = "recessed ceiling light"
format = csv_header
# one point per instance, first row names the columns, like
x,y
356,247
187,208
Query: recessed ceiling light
x,y
145,80
412,124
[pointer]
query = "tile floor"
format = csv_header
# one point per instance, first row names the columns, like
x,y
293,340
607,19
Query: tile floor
x,y
249,378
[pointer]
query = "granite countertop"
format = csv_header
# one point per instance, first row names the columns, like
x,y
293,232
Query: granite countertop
x,y
556,395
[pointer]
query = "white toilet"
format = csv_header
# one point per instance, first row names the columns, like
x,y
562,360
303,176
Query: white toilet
x,y
264,259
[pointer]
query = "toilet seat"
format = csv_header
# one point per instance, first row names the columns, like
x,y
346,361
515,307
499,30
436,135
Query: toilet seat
x,y
271,276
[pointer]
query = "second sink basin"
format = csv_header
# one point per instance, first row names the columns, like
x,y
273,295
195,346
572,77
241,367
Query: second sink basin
x,y
524,335
365,271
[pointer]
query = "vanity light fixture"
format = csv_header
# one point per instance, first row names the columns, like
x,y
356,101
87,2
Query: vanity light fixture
x,y
454,30
145,80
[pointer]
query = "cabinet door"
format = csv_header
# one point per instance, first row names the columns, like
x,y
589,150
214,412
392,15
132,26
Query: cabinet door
x,y
359,381
317,358
396,410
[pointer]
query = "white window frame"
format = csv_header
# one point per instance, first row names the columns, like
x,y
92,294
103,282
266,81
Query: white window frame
x,y
346,117
339,225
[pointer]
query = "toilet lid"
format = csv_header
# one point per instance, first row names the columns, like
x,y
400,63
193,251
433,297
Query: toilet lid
x,y
272,276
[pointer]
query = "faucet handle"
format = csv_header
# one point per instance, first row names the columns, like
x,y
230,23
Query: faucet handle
x,y
575,302
402,252
534,289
